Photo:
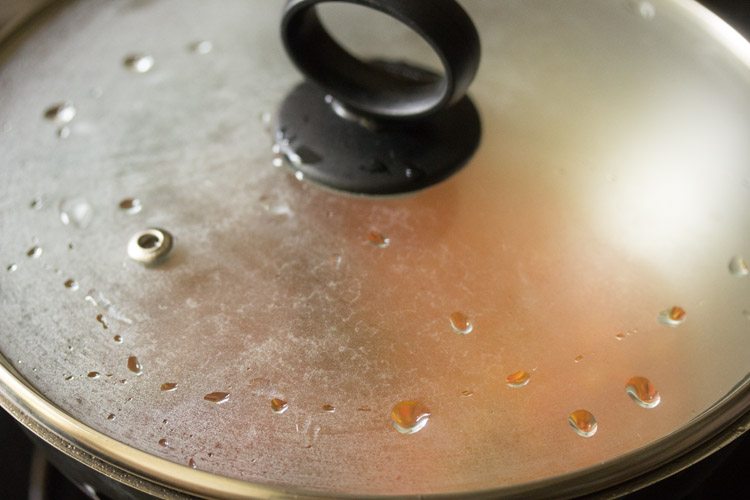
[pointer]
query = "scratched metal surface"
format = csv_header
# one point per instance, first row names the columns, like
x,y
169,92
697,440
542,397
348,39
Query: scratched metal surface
x,y
612,183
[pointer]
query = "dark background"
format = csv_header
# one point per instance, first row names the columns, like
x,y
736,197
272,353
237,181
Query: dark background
x,y
724,475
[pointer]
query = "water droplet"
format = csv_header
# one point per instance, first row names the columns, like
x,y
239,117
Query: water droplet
x,y
643,392
266,118
408,417
620,336
63,132
131,205
378,239
93,375
111,416
76,212
69,377
299,175
738,266
277,162
217,397
279,405
191,464
578,358
36,204
35,252
139,63
276,207
134,365
117,339
518,379
101,319
414,173
336,261
673,317
461,323
168,386
644,9
328,408
72,284
583,422
163,442
11,268
201,47
467,393
61,113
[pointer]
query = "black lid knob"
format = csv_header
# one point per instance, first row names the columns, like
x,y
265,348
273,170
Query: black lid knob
x,y
375,89
379,127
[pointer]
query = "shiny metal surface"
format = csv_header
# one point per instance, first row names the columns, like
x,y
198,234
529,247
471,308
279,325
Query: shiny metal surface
x,y
612,184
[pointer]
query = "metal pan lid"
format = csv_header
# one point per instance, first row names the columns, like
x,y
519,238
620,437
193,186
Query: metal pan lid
x,y
568,311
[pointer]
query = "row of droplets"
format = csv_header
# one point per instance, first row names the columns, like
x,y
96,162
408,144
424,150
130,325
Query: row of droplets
x,y
63,113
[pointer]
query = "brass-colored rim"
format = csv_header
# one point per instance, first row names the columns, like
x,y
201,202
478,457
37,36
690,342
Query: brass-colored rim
x,y
729,418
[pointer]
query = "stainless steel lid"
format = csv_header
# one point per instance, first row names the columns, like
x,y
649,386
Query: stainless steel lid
x,y
589,257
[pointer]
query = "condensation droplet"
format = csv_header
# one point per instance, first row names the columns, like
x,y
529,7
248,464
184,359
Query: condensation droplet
x,y
518,379
139,63
117,339
299,175
201,47
63,132
276,207
101,319
69,377
35,252
11,268
265,119
414,173
467,393
76,212
583,422
163,442
279,405
336,261
578,358
408,417
328,408
71,284
461,323
277,162
673,317
646,10
643,392
61,113
378,239
36,204
111,416
134,365
168,386
642,8
93,375
738,266
217,397
131,205
191,464
620,336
